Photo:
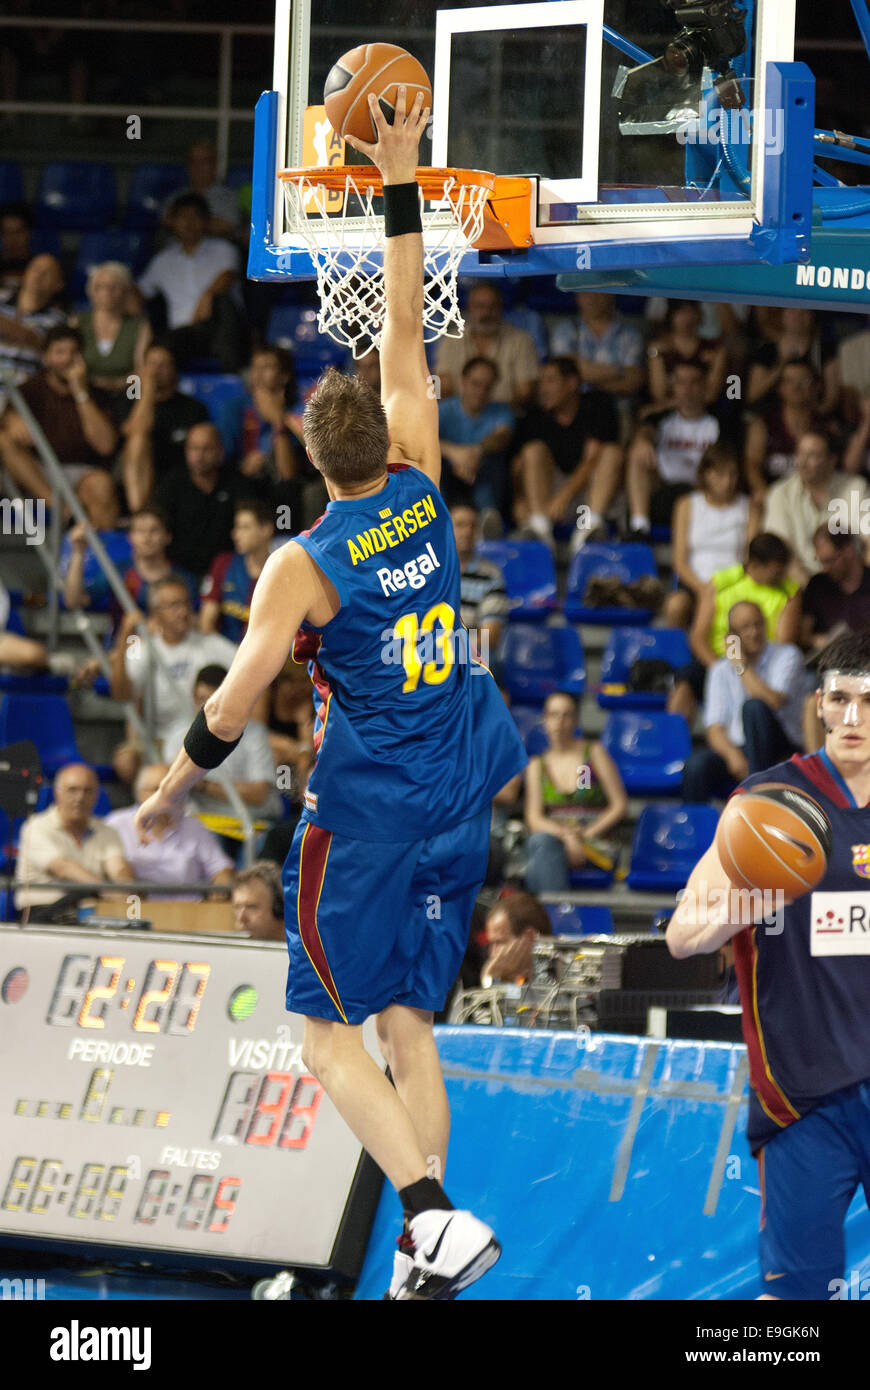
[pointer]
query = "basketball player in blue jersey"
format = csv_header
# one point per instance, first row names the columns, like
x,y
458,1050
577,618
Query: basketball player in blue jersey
x,y
413,742
805,990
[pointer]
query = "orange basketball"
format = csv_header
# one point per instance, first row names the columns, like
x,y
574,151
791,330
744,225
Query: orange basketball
x,y
373,67
774,837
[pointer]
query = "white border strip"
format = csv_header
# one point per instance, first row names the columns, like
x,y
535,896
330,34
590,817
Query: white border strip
x,y
544,14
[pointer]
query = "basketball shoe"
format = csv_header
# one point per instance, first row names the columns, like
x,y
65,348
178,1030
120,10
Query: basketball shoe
x,y
451,1250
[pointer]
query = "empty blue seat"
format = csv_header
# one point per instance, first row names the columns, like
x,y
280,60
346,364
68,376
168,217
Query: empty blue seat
x,y
213,390
536,661
151,187
11,182
650,750
668,842
590,877
630,644
529,576
131,248
47,722
77,195
576,919
526,718
295,327
622,562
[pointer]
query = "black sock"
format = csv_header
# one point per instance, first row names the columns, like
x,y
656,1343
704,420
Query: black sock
x,y
425,1195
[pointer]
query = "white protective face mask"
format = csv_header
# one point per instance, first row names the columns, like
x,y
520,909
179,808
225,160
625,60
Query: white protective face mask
x,y
847,714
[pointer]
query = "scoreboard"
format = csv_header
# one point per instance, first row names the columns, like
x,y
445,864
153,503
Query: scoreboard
x,y
153,1096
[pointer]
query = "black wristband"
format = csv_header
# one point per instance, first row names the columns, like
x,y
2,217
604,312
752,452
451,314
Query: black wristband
x,y
205,748
401,209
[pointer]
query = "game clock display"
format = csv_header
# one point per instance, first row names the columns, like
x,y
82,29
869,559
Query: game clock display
x,y
153,1096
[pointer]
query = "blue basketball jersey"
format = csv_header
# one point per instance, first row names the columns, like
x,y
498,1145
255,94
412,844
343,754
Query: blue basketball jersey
x,y
805,990
412,735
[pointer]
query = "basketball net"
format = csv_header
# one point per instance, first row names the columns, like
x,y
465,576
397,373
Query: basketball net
x,y
347,249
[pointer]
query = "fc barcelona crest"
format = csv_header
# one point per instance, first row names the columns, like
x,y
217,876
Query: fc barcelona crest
x,y
861,860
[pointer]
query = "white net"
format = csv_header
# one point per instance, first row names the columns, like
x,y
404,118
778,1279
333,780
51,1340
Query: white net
x,y
347,251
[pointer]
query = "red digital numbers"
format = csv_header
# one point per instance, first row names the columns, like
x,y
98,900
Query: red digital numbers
x,y
224,1204
301,1114
276,1109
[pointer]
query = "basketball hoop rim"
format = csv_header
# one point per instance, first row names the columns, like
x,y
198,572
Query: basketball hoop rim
x,y
433,182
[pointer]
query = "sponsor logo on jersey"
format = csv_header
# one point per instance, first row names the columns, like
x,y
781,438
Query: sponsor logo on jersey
x,y
309,800
840,924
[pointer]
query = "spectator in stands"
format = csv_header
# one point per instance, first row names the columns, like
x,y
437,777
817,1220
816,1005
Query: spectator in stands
x,y
229,586
838,595
854,364
201,498
487,334
250,766
183,851
798,505
712,525
664,455
258,902
156,428
16,229
149,538
574,798
796,339
474,432
16,650
682,342
485,604
856,458
68,843
568,449
223,207
113,340
607,348
290,721
513,925
27,315
76,422
763,581
184,651
772,437
197,277
261,430
752,711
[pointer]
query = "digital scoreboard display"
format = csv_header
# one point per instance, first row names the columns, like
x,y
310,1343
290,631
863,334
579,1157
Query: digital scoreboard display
x,y
153,1096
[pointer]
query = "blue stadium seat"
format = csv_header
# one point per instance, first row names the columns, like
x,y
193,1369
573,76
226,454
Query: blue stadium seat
x,y
650,750
238,176
6,860
45,241
622,562
531,322
295,327
213,390
630,644
77,195
11,182
526,718
590,877
668,842
47,722
131,248
7,906
536,661
576,919
529,576
151,187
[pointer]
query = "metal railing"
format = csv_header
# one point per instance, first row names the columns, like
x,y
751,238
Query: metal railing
x,y
62,489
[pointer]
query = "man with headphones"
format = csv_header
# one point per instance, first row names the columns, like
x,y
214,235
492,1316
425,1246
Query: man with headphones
x,y
258,902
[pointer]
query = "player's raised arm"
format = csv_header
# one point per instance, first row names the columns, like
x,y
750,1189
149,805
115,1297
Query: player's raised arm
x,y
409,401
702,922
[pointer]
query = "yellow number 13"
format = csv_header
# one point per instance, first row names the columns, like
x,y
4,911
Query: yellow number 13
x,y
408,630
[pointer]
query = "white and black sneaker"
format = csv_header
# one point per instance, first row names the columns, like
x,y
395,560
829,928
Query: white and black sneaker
x,y
402,1266
451,1250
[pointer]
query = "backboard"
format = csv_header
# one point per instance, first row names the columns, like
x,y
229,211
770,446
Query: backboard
x,y
654,132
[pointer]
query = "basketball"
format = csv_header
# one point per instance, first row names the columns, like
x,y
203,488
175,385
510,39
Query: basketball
x,y
373,67
774,837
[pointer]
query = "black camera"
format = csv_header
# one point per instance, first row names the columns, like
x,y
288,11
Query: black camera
x,y
713,34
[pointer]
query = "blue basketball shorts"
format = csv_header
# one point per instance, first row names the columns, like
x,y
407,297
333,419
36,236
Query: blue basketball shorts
x,y
809,1175
369,925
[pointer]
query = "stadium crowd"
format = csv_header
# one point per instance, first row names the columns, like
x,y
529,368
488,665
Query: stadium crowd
x,y
739,437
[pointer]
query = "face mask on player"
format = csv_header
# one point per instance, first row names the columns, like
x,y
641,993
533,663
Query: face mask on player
x,y
843,699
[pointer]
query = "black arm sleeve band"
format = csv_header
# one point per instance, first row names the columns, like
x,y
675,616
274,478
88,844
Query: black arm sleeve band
x,y
203,747
401,209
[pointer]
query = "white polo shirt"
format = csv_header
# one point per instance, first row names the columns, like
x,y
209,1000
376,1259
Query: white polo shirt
x,y
182,277
43,839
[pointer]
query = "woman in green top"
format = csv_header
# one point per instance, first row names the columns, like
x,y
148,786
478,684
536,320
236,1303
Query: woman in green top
x,y
574,796
113,341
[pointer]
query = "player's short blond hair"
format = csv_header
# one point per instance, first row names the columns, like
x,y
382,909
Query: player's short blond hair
x,y
346,430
